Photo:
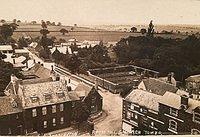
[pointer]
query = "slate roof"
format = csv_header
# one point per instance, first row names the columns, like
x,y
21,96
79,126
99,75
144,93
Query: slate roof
x,y
194,78
6,106
40,90
144,98
82,90
174,100
37,70
158,87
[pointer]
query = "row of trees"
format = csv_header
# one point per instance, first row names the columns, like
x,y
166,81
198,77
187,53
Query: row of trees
x,y
86,58
164,55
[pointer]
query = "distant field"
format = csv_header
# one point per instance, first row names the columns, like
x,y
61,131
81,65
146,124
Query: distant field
x,y
106,36
82,33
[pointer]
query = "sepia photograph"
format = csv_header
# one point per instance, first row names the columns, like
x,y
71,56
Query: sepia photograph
x,y
99,67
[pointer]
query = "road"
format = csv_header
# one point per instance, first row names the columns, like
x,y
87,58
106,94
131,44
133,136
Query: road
x,y
112,105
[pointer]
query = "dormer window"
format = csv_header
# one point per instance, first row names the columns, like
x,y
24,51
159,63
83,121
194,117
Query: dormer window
x,y
34,99
47,96
60,94
173,112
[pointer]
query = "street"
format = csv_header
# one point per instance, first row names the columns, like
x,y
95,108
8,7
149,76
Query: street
x,y
112,105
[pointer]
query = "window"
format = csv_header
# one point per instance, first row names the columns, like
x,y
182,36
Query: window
x,y
93,99
34,112
136,116
93,109
173,112
132,106
143,110
44,110
54,109
196,117
152,124
172,125
34,99
128,115
54,122
47,96
17,116
61,120
61,107
9,131
73,104
45,124
60,94
195,132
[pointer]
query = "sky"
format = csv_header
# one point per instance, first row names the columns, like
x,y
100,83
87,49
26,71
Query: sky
x,y
99,12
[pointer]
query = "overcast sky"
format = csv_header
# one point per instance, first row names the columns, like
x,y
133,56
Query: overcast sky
x,y
103,11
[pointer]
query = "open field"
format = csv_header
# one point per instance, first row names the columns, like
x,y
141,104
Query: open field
x,y
106,36
99,33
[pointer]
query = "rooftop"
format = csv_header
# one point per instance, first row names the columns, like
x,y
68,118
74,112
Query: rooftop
x,y
43,93
82,90
158,87
9,105
174,100
37,70
5,47
144,98
194,78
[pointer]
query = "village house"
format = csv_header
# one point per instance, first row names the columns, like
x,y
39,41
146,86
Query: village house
x,y
90,96
193,86
43,104
157,107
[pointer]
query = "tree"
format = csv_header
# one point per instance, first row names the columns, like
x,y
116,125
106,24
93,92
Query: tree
x,y
73,64
63,31
33,22
48,22
143,31
53,24
3,21
14,20
44,25
133,29
2,56
44,32
6,69
18,21
59,24
6,31
150,31
22,42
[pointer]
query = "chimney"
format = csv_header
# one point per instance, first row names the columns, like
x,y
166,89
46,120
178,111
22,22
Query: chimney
x,y
38,62
169,78
13,60
42,64
34,61
184,101
52,68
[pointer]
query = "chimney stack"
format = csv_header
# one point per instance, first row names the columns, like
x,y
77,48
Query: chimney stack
x,y
14,61
184,101
169,78
34,61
